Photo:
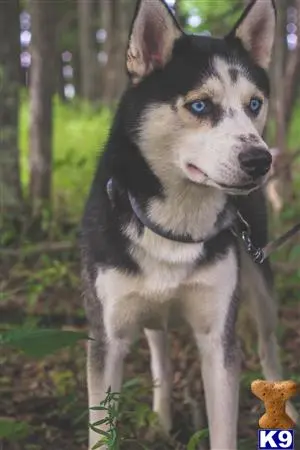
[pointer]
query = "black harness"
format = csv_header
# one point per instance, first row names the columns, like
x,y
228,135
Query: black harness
x,y
234,222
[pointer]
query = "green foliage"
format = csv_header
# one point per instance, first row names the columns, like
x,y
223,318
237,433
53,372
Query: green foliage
x,y
13,430
79,134
294,132
217,20
110,437
51,272
248,377
197,438
136,413
34,282
125,408
39,343
63,381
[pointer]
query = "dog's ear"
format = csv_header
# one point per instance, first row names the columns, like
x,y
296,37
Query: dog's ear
x,y
154,31
256,30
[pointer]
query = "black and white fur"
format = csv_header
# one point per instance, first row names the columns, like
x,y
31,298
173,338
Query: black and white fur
x,y
185,173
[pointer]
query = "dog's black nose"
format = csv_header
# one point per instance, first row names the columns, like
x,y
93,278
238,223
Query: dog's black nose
x,y
255,162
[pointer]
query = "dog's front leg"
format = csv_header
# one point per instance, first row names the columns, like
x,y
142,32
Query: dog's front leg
x,y
104,371
221,386
211,308
106,353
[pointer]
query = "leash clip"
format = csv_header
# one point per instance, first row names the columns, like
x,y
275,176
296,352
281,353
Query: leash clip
x,y
257,254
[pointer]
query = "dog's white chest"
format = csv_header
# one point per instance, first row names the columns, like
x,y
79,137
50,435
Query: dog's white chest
x,y
163,270
165,266
158,282
135,299
163,280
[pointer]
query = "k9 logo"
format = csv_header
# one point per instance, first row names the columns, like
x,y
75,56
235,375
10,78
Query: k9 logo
x,y
270,439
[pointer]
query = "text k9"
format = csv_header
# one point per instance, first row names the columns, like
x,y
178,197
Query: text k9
x,y
272,439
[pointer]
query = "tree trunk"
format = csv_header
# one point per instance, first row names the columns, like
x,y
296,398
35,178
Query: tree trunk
x,y
87,53
110,10
126,17
292,74
116,15
280,189
278,70
10,186
42,85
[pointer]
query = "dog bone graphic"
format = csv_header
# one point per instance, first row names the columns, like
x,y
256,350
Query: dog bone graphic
x,y
275,395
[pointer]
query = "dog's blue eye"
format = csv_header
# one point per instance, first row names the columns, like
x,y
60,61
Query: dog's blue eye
x,y
199,107
255,105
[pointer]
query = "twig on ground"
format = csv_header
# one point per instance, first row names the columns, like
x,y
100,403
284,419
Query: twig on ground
x,y
43,247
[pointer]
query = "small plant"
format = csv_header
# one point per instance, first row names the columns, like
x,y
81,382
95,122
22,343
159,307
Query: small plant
x,y
127,410
133,416
197,438
110,437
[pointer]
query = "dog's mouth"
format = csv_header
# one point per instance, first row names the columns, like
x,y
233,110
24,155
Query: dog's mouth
x,y
195,172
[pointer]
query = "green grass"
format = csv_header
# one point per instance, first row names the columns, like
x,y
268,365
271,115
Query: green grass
x,y
294,132
79,134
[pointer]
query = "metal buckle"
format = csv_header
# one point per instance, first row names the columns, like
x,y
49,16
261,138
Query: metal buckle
x,y
257,254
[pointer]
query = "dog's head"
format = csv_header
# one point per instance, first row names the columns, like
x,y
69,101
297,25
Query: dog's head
x,y
200,102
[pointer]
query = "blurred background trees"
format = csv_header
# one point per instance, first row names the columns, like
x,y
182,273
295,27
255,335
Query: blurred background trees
x,y
10,185
73,52
61,75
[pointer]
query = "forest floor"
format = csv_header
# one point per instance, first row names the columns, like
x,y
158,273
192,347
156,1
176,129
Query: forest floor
x,y
47,397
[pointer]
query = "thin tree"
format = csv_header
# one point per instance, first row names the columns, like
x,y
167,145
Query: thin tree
x,y
284,80
292,72
42,84
116,17
10,186
86,48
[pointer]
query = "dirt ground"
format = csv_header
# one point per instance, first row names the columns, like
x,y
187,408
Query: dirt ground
x,y
50,394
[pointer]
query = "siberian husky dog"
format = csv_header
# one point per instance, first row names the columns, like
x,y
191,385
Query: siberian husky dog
x,y
159,238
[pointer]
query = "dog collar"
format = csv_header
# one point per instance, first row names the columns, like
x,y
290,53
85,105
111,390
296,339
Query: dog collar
x,y
144,220
234,222
228,221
